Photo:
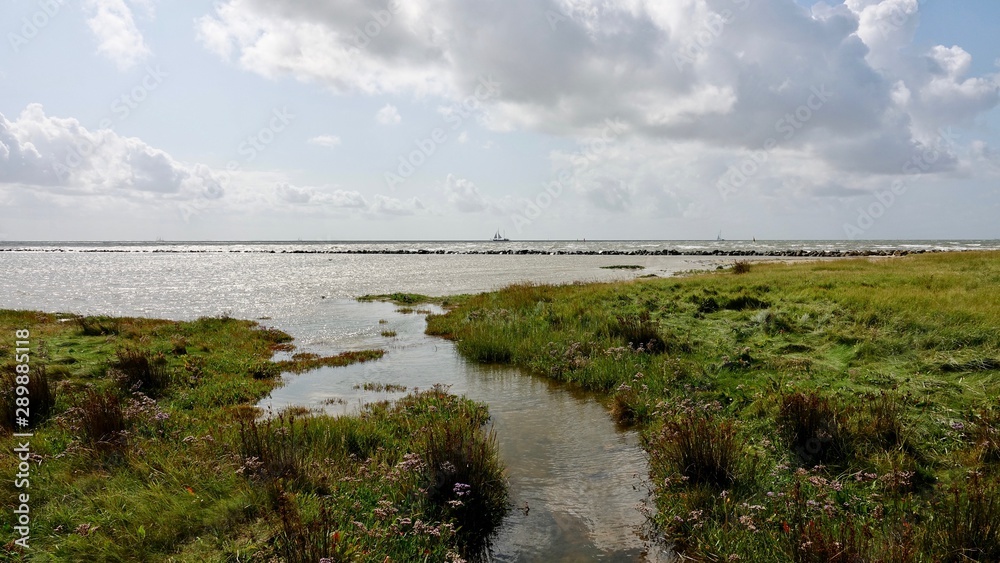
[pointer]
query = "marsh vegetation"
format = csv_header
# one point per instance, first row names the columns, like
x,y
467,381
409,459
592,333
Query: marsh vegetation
x,y
833,411
147,447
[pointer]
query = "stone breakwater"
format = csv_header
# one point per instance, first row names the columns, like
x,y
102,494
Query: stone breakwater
x,y
790,253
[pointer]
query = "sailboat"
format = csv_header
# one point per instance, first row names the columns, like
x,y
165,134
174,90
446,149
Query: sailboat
x,y
718,237
498,238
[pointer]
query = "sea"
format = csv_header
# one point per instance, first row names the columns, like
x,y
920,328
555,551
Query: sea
x,y
690,247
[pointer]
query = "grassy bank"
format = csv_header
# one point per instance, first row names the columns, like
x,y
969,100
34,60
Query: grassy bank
x,y
147,447
831,411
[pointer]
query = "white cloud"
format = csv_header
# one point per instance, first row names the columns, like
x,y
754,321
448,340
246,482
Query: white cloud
x,y
390,206
293,195
886,27
327,43
610,194
388,115
322,201
464,195
56,163
59,155
118,38
690,108
320,198
328,141
646,63
987,156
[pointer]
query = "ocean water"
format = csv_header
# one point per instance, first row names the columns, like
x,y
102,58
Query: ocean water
x,y
566,246
292,289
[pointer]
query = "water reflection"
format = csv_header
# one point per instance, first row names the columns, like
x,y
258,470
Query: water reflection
x,y
576,480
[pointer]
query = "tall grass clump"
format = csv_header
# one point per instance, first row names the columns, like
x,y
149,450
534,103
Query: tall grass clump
x,y
264,370
985,435
627,407
967,523
102,421
700,446
814,428
741,267
884,423
140,370
465,480
99,325
488,347
41,397
178,345
815,537
312,541
639,331
271,449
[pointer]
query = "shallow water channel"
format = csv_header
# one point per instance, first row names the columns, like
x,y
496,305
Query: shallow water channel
x,y
577,481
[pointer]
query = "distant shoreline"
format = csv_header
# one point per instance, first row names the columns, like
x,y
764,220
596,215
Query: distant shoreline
x,y
789,253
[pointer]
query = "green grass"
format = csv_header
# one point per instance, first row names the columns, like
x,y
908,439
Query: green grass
x,y
152,451
827,411
400,298
305,361
380,387
407,300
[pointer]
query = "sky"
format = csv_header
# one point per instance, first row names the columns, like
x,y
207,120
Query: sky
x,y
544,119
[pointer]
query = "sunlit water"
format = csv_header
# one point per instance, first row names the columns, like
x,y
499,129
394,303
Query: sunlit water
x,y
481,246
576,480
